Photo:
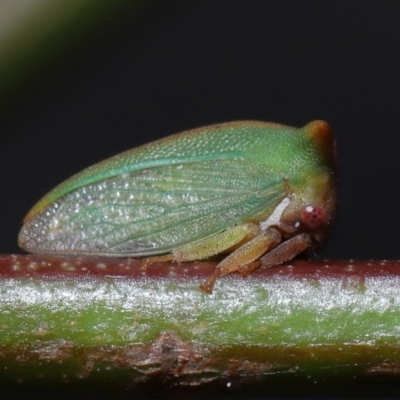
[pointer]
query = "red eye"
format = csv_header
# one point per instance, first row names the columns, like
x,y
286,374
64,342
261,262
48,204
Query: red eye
x,y
313,216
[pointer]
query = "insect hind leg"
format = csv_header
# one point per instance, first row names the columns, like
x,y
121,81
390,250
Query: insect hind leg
x,y
210,246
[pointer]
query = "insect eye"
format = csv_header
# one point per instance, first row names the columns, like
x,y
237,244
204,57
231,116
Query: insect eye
x,y
313,216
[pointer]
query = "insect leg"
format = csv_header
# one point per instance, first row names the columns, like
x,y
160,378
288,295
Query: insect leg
x,y
151,260
286,250
216,244
244,255
210,246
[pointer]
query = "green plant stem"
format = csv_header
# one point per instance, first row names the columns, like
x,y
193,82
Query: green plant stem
x,y
110,323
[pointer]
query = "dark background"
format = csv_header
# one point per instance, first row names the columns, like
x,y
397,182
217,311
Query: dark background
x,y
178,65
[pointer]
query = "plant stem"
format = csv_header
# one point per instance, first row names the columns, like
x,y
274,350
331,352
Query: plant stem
x,y
101,323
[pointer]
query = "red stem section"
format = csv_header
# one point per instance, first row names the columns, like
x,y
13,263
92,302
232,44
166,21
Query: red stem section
x,y
17,266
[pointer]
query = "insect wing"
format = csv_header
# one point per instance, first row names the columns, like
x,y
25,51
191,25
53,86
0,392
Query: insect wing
x,y
154,210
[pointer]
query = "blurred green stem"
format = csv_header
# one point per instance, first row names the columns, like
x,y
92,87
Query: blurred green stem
x,y
34,35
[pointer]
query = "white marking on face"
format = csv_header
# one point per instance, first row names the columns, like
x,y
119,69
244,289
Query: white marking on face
x,y
276,215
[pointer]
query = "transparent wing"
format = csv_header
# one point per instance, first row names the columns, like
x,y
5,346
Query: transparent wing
x,y
155,210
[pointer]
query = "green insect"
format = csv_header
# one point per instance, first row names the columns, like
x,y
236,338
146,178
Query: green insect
x,y
261,192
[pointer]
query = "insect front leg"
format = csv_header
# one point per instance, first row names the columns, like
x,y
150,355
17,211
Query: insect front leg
x,y
244,255
286,250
